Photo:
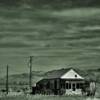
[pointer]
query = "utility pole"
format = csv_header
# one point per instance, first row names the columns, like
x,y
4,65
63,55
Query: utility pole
x,y
7,79
30,75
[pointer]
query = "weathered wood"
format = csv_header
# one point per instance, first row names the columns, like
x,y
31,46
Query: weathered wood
x,y
7,80
30,75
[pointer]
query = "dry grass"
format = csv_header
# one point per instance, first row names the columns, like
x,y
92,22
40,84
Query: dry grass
x,y
39,97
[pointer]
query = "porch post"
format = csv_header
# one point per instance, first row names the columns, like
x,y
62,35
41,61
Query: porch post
x,y
68,85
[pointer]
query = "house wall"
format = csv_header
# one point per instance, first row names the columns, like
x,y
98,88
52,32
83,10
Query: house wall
x,y
49,86
59,86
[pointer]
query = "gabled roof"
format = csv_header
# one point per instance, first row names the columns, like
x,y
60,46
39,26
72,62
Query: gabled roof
x,y
71,74
63,74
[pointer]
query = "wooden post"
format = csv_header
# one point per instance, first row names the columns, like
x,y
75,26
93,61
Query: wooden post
x,y
30,76
7,80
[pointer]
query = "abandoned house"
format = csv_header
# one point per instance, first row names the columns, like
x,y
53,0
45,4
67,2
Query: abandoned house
x,y
60,82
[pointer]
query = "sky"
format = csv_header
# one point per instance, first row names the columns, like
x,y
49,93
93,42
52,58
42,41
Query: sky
x,y
56,38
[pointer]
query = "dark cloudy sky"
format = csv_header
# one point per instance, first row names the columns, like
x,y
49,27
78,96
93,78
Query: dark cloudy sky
x,y
60,38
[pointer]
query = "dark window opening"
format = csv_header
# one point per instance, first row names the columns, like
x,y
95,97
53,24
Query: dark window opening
x,y
48,85
55,84
69,85
78,86
74,87
75,75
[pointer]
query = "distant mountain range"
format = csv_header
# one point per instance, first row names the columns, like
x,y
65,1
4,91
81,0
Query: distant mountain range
x,y
54,3
23,79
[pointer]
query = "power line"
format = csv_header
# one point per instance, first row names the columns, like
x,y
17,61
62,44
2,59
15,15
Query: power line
x,y
46,56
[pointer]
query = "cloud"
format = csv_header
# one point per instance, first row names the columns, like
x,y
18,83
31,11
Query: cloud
x,y
13,45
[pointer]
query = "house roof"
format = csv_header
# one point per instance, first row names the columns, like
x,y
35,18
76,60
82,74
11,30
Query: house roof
x,y
63,74
71,74
55,73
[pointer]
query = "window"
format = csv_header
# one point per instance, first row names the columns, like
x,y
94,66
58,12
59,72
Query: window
x,y
77,85
76,76
69,85
48,85
66,85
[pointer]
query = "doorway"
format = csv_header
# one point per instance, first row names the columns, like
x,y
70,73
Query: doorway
x,y
73,86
